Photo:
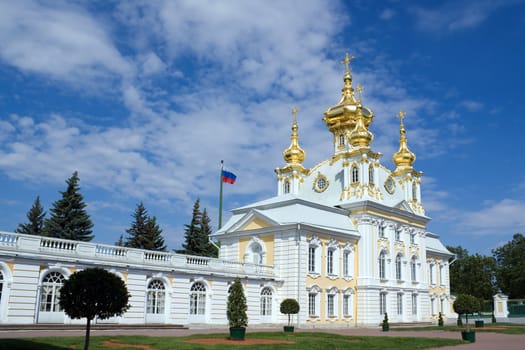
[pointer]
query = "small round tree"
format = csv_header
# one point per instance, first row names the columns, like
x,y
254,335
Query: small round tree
x,y
237,307
466,304
92,293
289,307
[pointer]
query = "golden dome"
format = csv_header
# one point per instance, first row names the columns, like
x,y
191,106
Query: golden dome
x,y
360,136
342,117
294,154
403,158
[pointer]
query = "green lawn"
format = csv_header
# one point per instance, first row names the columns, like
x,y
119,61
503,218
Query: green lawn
x,y
506,328
306,340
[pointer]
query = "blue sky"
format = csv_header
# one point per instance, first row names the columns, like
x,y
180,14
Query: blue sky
x,y
144,98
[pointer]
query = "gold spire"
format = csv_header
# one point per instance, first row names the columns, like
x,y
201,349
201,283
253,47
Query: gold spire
x,y
348,90
403,158
294,154
360,137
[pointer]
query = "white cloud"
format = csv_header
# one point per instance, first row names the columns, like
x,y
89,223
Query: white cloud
x,y
60,40
472,106
495,218
387,14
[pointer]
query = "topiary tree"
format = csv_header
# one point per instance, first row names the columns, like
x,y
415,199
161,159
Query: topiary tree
x,y
237,307
91,293
289,307
466,304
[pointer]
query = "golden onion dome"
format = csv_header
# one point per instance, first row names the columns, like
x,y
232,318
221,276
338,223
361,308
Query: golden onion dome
x,y
294,154
403,158
360,135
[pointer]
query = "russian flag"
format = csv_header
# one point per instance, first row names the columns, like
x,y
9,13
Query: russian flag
x,y
228,177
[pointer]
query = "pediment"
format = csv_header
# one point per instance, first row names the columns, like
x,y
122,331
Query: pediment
x,y
403,205
253,220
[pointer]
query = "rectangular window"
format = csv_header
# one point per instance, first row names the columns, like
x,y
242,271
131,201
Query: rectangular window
x,y
311,304
398,234
441,279
412,238
414,304
331,305
433,306
311,259
330,262
382,303
413,270
381,231
399,303
442,306
346,305
346,256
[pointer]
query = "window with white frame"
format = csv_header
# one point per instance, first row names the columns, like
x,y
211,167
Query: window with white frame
x,y
382,303
414,304
355,174
286,186
50,292
330,262
156,297
413,269
314,301
332,258
432,273
382,265
314,256
371,174
433,306
266,301
399,274
398,234
441,275
331,302
348,306
348,260
198,299
399,303
341,140
412,238
381,231
442,305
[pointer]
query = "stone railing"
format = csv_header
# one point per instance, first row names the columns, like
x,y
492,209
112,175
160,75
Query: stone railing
x,y
22,244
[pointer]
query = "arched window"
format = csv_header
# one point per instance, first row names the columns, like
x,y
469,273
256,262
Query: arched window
x,y
314,256
348,306
414,191
156,297
257,253
355,174
371,174
50,292
413,269
332,302
341,140
266,302
399,275
286,186
382,266
314,301
198,299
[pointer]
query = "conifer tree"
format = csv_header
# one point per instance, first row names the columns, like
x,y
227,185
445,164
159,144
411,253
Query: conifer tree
x,y
35,217
192,240
69,219
210,249
144,232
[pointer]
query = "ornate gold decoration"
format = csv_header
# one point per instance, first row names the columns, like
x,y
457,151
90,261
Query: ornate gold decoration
x,y
403,158
320,183
294,154
360,137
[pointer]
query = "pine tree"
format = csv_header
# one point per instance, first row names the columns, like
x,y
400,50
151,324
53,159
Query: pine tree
x,y
153,235
192,240
69,220
210,249
144,232
35,217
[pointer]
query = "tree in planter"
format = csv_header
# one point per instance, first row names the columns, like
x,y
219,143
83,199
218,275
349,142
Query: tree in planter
x,y
92,293
237,308
289,307
440,320
386,325
466,304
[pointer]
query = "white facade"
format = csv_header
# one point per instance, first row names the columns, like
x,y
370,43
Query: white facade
x,y
346,238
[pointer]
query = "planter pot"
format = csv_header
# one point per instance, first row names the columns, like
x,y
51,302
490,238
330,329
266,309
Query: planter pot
x,y
479,324
468,336
386,328
237,333
289,329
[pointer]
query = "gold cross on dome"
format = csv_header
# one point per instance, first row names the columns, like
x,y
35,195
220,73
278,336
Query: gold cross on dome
x,y
359,89
294,111
347,61
401,115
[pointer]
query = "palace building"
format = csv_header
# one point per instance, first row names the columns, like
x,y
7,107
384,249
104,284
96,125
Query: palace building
x,y
347,238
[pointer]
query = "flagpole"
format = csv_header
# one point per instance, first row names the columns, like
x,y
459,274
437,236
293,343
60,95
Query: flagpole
x,y
220,196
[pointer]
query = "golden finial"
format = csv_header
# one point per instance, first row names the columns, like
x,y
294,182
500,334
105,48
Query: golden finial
x,y
294,153
401,115
403,158
347,61
359,89
295,110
